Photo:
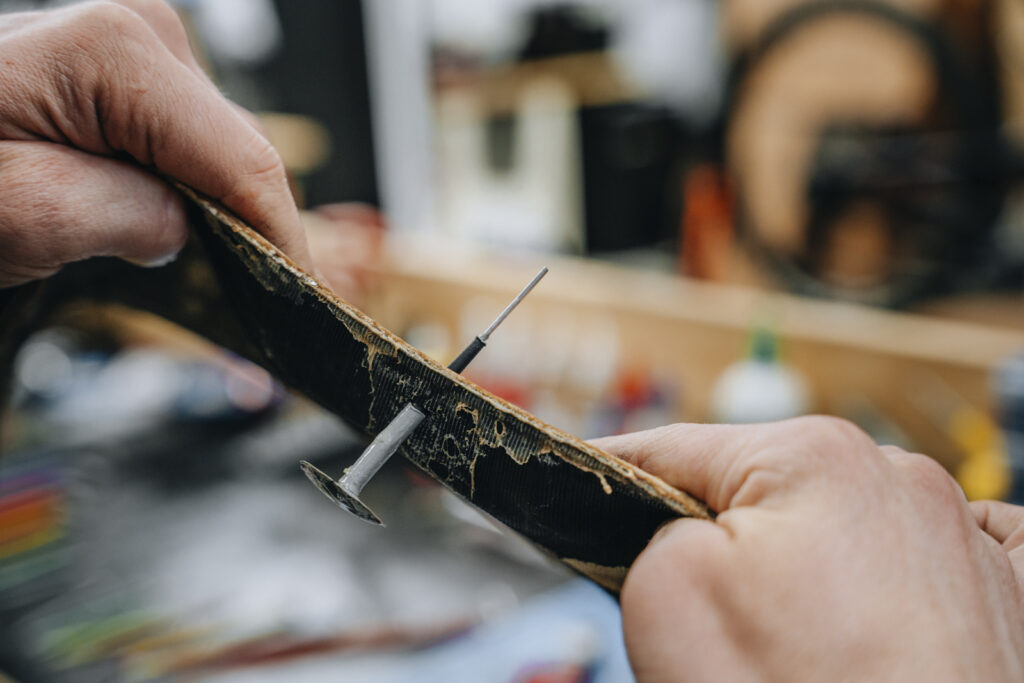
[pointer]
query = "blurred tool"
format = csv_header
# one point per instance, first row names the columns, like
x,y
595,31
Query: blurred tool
x,y
345,491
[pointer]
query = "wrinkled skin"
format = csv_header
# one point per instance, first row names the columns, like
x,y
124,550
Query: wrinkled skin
x,y
832,559
93,99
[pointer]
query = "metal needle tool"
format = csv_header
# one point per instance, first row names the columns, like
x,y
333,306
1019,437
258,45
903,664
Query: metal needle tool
x,y
345,491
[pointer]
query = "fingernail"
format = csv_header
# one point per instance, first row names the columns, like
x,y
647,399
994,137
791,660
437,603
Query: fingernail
x,y
163,261
661,532
158,262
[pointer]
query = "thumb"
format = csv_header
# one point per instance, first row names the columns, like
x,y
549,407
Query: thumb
x,y
1001,521
63,205
733,465
1004,523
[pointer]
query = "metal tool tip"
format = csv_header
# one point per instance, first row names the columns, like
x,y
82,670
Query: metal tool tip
x,y
515,302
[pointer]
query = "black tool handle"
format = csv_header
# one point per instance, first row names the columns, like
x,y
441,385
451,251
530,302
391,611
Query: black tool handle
x,y
467,355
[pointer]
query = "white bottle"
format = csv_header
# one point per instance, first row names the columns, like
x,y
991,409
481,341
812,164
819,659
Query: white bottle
x,y
759,388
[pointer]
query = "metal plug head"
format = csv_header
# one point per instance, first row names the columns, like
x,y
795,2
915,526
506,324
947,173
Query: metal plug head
x,y
345,491
333,490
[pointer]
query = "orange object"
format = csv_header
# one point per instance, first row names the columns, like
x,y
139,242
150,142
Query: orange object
x,y
706,224
29,518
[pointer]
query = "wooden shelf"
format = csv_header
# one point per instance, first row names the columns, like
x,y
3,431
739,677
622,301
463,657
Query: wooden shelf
x,y
592,77
912,368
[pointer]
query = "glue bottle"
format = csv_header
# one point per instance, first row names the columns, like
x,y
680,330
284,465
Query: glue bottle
x,y
759,388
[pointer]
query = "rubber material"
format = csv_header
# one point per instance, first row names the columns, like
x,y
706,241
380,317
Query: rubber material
x,y
588,509
463,360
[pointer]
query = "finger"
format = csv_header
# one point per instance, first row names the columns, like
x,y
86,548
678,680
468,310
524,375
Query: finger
x,y
63,205
687,550
660,450
705,460
176,122
168,27
894,453
920,468
1001,521
166,23
730,465
671,589
346,241
930,479
1005,524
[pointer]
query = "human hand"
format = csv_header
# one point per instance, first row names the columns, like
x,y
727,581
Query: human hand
x,y
346,239
831,559
93,95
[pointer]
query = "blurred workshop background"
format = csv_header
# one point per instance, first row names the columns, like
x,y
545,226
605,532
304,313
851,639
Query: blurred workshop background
x,y
752,209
